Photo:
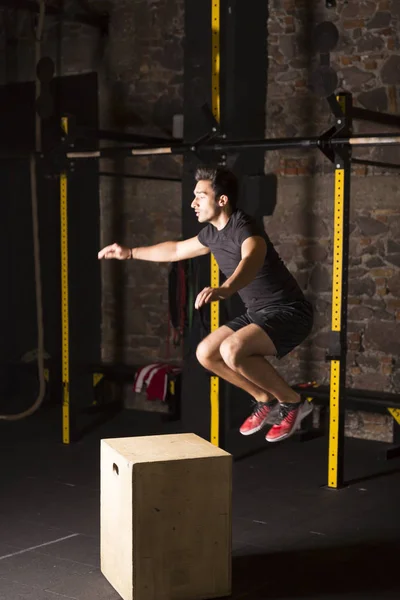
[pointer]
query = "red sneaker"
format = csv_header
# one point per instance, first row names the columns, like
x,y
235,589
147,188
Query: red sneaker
x,y
290,417
263,413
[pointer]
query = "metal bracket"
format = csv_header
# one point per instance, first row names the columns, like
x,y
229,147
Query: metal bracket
x,y
335,106
324,145
215,132
343,128
335,351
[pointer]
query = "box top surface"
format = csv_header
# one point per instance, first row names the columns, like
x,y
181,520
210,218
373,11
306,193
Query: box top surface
x,y
153,448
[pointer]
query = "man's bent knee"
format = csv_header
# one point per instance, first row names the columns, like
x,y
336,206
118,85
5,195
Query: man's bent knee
x,y
208,349
231,352
205,354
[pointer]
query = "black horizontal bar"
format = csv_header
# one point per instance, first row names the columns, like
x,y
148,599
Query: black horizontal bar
x,y
15,156
373,116
374,163
383,399
225,146
129,176
118,136
94,20
393,452
162,149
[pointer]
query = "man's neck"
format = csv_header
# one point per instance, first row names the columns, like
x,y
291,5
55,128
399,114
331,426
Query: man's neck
x,y
222,219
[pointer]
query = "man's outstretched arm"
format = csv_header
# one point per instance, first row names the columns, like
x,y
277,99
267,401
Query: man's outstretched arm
x,y
165,252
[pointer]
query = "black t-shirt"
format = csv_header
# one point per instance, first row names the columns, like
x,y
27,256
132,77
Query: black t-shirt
x,y
273,284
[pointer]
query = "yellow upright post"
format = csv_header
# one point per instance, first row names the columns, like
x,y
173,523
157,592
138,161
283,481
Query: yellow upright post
x,y
335,381
215,101
338,345
64,299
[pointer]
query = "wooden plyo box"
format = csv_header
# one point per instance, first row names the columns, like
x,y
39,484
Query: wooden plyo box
x,y
166,517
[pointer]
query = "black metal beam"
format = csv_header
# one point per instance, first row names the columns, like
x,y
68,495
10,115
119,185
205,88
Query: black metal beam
x,y
117,136
130,176
337,143
362,114
374,163
373,398
335,106
225,146
94,19
393,452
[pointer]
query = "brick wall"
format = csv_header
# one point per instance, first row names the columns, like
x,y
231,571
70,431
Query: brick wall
x,y
142,85
140,69
367,61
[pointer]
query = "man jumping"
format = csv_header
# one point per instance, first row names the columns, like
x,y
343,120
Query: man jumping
x,y
277,319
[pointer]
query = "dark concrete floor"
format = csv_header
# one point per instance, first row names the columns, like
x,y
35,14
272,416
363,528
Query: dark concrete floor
x,y
292,537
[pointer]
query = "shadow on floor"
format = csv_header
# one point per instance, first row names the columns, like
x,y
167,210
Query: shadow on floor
x,y
376,475
370,569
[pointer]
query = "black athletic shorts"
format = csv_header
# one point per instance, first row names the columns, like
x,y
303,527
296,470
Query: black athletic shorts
x,y
286,324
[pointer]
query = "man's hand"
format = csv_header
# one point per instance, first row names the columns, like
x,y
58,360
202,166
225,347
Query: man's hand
x,y
115,251
210,294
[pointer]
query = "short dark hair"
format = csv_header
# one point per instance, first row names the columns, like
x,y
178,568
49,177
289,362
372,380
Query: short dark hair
x,y
223,182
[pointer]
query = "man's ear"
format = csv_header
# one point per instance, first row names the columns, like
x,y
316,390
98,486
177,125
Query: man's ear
x,y
223,200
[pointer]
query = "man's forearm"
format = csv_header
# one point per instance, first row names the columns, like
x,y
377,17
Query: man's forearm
x,y
164,252
244,274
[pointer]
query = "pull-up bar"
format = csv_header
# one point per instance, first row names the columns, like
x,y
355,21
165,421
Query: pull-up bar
x,y
321,143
